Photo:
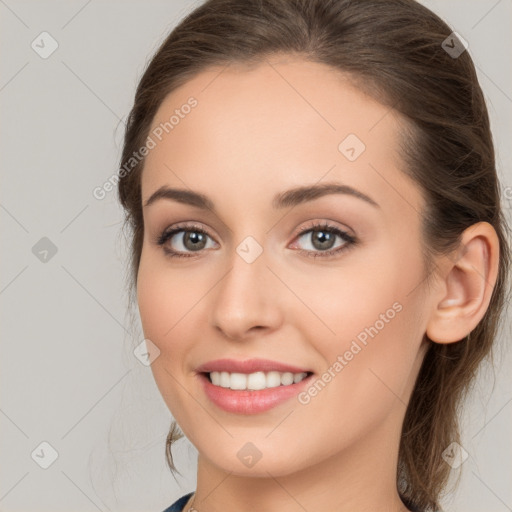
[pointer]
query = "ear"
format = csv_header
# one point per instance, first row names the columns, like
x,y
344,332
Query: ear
x,y
466,285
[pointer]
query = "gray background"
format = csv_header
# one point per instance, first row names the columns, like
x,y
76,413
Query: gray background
x,y
68,376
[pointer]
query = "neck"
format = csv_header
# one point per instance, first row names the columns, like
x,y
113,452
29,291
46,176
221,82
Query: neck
x,y
361,478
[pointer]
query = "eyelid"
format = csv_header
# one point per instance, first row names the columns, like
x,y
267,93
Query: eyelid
x,y
170,231
321,223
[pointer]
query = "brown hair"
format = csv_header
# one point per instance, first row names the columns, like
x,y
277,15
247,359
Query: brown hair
x,y
393,48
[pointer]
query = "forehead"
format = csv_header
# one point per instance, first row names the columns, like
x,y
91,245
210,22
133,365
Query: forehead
x,y
282,122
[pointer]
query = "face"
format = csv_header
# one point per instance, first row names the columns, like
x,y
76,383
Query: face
x,y
329,284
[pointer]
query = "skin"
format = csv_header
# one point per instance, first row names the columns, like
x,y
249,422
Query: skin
x,y
256,132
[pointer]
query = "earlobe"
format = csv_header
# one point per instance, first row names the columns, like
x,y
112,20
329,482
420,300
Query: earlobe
x,y
468,282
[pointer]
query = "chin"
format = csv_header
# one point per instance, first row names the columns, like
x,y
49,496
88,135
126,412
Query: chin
x,y
251,461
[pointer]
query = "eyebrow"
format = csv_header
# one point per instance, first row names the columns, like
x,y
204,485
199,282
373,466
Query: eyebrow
x,y
292,197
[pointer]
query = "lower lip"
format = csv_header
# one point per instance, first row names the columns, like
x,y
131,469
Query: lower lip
x,y
250,402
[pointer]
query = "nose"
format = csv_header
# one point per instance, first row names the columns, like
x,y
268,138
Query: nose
x,y
246,300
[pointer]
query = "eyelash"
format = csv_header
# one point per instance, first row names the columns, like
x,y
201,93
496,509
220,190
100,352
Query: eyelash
x,y
321,226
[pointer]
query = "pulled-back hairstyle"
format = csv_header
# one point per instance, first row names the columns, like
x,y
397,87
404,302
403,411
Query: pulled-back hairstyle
x,y
392,49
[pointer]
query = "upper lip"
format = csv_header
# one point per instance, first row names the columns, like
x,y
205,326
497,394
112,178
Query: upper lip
x,y
248,366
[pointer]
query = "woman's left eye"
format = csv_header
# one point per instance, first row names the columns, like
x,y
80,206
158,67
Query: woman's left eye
x,y
321,236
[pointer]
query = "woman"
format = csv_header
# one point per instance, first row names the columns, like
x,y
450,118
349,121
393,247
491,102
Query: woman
x,y
318,252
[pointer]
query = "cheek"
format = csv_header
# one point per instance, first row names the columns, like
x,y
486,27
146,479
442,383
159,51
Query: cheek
x,y
165,297
172,312
368,370
377,320
341,303
153,301
164,301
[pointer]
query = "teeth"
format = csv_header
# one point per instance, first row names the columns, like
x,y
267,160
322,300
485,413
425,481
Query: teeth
x,y
255,381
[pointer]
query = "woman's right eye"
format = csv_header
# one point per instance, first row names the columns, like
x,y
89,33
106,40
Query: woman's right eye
x,y
186,238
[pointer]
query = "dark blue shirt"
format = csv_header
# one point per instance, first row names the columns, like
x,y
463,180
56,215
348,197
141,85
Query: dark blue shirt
x,y
178,505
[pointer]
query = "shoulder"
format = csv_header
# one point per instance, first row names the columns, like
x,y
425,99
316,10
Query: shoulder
x,y
178,505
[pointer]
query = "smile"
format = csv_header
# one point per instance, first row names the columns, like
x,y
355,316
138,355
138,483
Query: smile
x,y
256,380
252,393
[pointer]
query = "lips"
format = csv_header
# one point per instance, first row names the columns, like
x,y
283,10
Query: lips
x,y
248,366
248,402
